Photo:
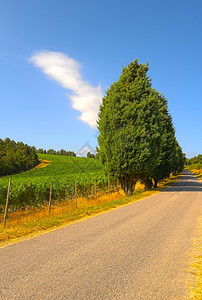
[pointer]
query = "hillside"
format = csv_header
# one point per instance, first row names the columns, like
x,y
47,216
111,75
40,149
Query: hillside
x,y
32,187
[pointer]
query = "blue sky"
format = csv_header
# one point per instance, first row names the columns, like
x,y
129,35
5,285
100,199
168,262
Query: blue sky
x,y
57,58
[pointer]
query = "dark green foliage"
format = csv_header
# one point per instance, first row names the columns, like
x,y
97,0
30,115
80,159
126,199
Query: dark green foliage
x,y
90,155
166,152
54,152
137,137
51,151
194,160
40,151
129,127
16,157
179,159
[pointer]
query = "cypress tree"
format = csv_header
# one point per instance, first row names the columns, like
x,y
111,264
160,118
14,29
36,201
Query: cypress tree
x,y
129,126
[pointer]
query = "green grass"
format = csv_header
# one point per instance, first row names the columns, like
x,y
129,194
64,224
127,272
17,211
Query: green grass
x,y
31,188
60,167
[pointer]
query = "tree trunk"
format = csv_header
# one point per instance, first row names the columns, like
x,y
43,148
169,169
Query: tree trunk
x,y
128,184
148,183
155,183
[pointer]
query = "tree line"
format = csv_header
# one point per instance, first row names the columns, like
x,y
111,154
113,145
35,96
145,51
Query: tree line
x,y
90,155
136,133
54,152
194,160
16,157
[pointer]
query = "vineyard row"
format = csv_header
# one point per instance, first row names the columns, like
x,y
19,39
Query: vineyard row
x,y
37,194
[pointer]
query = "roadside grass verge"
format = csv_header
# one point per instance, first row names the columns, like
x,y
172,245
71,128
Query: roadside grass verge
x,y
26,223
197,172
196,257
195,267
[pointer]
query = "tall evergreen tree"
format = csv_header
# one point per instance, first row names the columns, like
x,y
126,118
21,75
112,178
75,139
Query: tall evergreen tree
x,y
129,127
166,156
137,138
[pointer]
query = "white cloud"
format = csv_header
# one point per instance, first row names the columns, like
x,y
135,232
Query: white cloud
x,y
66,72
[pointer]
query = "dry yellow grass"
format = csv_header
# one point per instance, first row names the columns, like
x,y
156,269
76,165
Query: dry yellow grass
x,y
195,267
43,163
34,221
197,172
196,257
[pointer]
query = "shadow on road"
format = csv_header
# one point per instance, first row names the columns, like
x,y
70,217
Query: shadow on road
x,y
187,183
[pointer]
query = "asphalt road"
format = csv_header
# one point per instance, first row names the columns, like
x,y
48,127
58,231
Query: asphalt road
x,y
139,251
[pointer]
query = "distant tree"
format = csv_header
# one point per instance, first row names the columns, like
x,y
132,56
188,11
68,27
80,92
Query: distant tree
x,y
40,150
51,151
200,158
58,152
63,152
70,153
16,157
90,155
195,160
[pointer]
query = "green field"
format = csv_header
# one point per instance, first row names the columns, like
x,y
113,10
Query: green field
x,y
31,188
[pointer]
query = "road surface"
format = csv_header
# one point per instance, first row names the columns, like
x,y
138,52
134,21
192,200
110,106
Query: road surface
x,y
139,251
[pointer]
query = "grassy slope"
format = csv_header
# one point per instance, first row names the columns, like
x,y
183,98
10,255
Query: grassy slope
x,y
62,171
60,167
